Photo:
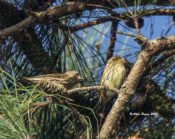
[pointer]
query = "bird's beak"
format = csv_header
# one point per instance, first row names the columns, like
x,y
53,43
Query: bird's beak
x,y
79,78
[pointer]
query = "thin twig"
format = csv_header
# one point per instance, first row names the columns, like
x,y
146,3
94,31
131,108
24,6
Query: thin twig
x,y
89,88
112,40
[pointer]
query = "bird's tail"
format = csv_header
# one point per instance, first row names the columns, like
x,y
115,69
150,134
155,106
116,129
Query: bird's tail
x,y
25,80
102,97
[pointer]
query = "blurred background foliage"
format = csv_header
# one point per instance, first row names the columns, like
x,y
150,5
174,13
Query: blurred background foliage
x,y
57,46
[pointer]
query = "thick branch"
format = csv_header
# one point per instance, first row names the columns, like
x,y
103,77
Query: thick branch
x,y
60,11
17,28
128,88
163,44
126,93
65,10
55,12
28,42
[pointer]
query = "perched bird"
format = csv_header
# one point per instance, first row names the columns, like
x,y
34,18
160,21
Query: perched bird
x,y
148,96
56,82
115,72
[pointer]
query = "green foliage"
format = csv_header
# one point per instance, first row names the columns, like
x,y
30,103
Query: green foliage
x,y
52,46
25,113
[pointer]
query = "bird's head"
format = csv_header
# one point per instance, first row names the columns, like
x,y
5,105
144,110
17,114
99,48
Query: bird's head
x,y
117,59
73,75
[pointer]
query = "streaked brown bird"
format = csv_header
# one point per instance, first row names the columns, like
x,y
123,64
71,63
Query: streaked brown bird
x,y
114,74
147,96
56,82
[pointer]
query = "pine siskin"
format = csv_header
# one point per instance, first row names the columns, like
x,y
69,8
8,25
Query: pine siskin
x,y
147,96
56,82
114,74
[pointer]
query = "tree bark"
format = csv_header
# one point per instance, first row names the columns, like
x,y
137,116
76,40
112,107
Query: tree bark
x,y
149,49
125,94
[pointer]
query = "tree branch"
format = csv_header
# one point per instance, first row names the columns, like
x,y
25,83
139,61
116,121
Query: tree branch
x,y
113,4
17,28
69,9
128,88
28,43
43,16
90,88
112,40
